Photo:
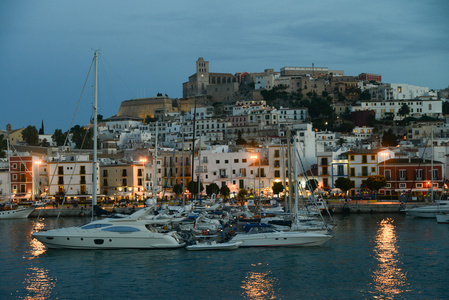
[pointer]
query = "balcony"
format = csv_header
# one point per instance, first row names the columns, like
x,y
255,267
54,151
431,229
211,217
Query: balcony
x,y
223,176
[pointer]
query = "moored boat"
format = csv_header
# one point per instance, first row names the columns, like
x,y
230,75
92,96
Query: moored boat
x,y
262,235
16,213
443,218
429,211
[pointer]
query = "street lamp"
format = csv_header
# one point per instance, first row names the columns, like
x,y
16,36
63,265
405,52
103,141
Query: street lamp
x,y
38,163
143,160
257,157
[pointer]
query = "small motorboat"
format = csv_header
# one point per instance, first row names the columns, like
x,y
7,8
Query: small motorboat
x,y
213,245
443,218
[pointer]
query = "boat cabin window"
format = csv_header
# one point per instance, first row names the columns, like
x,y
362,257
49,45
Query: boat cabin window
x,y
122,229
93,226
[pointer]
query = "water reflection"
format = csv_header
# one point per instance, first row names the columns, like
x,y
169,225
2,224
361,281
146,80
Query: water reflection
x,y
38,284
259,285
389,278
36,247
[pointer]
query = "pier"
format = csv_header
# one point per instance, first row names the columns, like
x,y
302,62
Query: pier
x,y
337,207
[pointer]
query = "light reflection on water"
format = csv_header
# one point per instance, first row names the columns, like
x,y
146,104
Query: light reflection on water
x,y
259,285
389,279
38,284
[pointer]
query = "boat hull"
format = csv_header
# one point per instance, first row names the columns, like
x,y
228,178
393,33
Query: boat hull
x,y
443,218
282,239
216,246
19,213
75,238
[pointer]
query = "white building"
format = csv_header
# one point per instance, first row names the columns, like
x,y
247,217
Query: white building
x,y
71,175
418,108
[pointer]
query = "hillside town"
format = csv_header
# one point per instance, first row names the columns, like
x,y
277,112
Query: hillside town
x,y
233,136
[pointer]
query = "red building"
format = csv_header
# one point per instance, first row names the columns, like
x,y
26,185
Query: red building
x,y
411,175
22,169
370,77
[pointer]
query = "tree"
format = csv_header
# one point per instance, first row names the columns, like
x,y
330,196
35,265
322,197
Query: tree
x,y
45,143
31,135
311,184
212,189
149,119
277,188
404,110
82,137
177,189
240,140
376,182
243,193
225,191
445,107
192,186
344,184
59,137
389,139
3,146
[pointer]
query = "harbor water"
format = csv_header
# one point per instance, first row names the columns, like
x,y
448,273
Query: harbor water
x,y
372,256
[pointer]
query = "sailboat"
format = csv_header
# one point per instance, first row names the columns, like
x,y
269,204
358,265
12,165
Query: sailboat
x,y
131,232
7,209
263,235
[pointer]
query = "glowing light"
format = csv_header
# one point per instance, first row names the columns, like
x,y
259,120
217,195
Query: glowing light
x,y
389,279
259,286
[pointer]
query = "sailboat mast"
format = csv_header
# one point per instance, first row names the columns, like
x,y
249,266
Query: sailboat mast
x,y
94,165
155,166
431,166
199,169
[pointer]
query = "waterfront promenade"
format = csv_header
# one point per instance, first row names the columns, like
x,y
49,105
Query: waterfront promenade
x,y
336,206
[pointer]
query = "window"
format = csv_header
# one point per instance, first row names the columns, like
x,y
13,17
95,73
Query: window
x,y
277,173
352,157
105,173
83,180
387,174
22,167
364,171
373,170
402,174
340,170
276,153
244,160
82,169
418,174
14,166
435,174
14,176
60,170
352,171
124,173
373,157
236,161
226,161
105,182
124,182
402,185
217,162
419,185
364,160
277,164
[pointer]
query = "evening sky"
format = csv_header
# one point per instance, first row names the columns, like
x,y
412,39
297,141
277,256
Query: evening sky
x,y
150,47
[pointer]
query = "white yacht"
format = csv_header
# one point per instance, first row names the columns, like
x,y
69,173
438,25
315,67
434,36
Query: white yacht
x,y
429,211
262,235
16,213
131,232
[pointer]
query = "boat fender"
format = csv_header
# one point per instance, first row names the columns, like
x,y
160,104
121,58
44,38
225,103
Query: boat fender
x,y
204,232
81,214
232,232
